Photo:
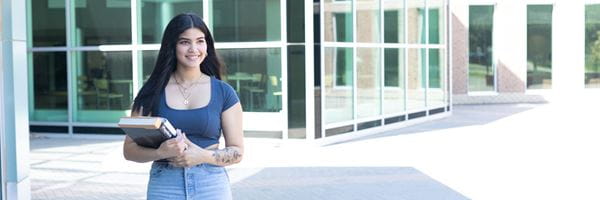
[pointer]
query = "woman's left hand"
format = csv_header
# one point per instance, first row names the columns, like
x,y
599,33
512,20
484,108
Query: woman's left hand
x,y
191,156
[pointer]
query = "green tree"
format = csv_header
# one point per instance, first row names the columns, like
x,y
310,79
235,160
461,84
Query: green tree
x,y
595,52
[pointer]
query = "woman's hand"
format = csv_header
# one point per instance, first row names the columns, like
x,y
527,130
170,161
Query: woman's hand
x,y
173,147
193,155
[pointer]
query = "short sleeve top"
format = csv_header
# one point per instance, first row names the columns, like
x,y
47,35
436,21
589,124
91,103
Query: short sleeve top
x,y
202,125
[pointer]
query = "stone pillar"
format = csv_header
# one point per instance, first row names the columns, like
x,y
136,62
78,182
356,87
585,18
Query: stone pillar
x,y
14,123
510,46
568,52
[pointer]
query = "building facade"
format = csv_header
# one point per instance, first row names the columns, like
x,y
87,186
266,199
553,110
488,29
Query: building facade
x,y
302,69
318,70
323,70
524,51
383,62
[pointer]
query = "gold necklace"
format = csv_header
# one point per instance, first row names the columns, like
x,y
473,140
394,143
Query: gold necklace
x,y
184,90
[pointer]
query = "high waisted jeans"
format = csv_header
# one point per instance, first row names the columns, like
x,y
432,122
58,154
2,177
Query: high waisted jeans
x,y
204,181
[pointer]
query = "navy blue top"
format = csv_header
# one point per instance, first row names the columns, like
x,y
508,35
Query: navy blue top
x,y
202,125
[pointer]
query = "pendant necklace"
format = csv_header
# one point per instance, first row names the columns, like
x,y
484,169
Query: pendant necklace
x,y
185,91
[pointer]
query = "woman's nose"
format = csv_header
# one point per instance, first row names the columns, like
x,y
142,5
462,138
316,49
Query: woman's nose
x,y
194,48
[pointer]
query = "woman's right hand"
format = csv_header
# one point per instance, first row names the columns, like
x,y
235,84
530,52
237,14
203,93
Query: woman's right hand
x,y
172,147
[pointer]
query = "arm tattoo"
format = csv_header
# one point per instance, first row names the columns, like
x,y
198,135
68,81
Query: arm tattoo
x,y
227,155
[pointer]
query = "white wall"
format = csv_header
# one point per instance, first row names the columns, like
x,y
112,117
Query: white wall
x,y
568,42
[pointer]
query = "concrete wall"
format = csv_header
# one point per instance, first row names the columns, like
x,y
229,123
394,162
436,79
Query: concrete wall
x,y
459,14
14,126
510,51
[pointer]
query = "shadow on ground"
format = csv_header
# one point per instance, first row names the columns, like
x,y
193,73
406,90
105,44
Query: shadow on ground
x,y
462,115
37,141
398,183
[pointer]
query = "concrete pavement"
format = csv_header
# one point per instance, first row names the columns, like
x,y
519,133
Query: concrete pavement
x,y
510,151
66,168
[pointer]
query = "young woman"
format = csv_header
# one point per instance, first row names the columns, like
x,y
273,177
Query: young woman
x,y
186,88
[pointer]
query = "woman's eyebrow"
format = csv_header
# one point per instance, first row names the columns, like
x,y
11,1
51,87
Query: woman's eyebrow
x,y
183,38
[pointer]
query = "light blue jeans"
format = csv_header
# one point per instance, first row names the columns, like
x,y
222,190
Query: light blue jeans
x,y
204,181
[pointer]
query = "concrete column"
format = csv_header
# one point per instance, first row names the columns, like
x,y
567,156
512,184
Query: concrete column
x,y
510,46
309,71
14,126
568,52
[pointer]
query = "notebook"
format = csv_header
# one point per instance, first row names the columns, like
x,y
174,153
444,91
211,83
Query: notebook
x,y
148,131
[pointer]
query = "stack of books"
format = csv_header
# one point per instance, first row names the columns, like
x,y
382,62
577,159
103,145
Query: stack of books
x,y
148,131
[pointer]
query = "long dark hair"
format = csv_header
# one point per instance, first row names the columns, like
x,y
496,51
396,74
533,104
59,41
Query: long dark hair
x,y
149,96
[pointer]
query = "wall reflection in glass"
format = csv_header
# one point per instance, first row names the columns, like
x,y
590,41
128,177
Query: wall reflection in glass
x,y
338,84
103,80
49,86
481,70
539,46
101,22
592,46
255,74
157,13
48,23
246,20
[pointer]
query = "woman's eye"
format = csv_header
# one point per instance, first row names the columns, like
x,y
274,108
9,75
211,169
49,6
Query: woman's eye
x,y
184,42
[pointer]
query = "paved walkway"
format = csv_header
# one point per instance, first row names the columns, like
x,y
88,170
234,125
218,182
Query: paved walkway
x,y
510,151
64,168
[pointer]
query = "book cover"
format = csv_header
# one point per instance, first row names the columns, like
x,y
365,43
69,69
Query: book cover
x,y
147,131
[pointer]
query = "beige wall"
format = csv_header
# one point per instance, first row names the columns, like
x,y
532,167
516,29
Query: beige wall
x,y
459,17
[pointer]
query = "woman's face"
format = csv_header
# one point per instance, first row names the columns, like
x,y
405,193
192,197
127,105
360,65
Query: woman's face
x,y
191,48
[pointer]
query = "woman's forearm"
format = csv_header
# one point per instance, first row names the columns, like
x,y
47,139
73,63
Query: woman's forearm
x,y
224,157
136,153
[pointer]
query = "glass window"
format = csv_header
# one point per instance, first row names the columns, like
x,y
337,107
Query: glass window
x,y
393,21
437,84
246,20
317,89
592,46
437,19
343,67
338,20
393,62
48,23
481,70
103,83
368,83
50,86
148,62
338,97
255,74
296,92
394,80
295,21
416,80
101,22
539,46
317,65
367,20
416,21
156,14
